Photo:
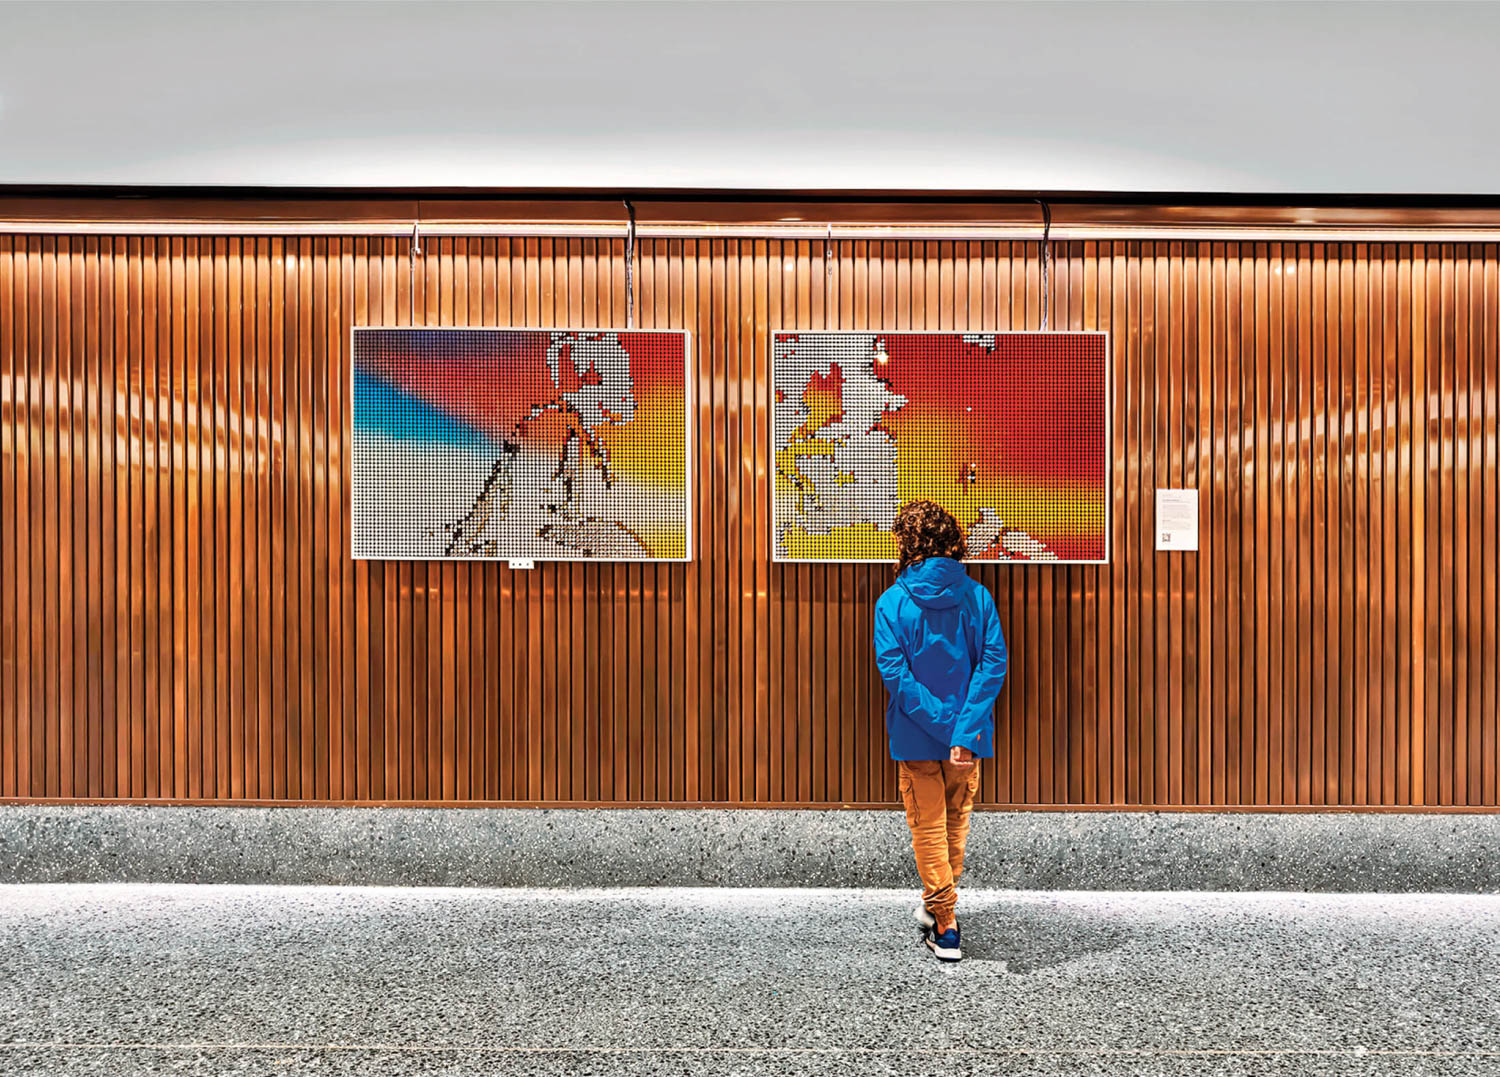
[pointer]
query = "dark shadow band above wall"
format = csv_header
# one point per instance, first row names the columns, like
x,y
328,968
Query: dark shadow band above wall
x,y
179,618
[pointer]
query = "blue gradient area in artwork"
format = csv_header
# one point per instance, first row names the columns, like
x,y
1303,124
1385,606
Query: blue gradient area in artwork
x,y
380,407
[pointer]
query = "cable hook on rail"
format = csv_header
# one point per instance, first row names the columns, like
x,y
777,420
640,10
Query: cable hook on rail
x,y
413,249
827,271
629,266
1046,260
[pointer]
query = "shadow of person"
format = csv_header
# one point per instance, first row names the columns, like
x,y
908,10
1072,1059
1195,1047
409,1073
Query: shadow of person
x,y
1029,937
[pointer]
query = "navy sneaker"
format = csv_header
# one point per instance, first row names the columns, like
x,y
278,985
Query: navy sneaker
x,y
944,946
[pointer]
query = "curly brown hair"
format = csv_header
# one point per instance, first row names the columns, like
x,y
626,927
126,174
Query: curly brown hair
x,y
926,529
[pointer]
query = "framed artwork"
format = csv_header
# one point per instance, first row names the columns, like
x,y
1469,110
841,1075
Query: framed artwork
x,y
520,444
1007,431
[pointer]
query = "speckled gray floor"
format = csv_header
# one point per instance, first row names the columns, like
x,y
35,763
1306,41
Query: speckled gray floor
x,y
118,979
1335,852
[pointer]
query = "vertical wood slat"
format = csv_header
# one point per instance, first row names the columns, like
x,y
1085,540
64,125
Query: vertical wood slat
x,y
179,617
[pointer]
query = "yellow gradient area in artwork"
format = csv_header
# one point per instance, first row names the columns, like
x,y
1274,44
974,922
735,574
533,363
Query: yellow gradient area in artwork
x,y
824,405
853,541
663,541
649,448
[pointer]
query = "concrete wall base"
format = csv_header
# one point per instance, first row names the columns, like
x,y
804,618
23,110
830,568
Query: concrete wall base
x,y
722,847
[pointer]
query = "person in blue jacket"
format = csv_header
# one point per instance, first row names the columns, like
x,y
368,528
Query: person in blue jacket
x,y
942,656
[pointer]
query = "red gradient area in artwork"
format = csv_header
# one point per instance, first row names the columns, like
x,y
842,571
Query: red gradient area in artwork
x,y
1032,409
1069,547
656,362
823,400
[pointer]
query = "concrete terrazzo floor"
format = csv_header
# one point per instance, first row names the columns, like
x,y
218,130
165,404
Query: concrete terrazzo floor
x,y
176,979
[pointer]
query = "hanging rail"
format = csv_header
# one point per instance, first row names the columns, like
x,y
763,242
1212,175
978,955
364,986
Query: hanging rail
x,y
1312,233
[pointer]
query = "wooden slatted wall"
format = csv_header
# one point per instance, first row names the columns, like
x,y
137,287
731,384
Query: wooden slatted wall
x,y
179,618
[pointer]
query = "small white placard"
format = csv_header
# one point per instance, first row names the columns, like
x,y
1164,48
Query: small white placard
x,y
518,565
1177,519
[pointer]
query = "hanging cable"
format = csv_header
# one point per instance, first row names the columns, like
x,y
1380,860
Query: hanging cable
x,y
630,266
1046,260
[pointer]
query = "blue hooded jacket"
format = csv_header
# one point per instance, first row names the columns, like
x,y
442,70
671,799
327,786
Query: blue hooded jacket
x,y
942,656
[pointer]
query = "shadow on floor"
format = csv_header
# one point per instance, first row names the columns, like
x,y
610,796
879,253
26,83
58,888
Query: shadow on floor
x,y
1028,939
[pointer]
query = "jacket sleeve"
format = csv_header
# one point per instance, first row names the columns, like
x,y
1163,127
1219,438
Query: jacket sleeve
x,y
975,725
914,699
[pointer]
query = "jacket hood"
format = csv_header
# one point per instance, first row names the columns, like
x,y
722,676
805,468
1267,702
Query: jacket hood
x,y
934,583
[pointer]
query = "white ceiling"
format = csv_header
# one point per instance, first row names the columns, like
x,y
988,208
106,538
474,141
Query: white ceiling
x,y
1209,97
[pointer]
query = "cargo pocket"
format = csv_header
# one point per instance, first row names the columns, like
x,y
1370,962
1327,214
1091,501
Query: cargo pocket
x,y
908,798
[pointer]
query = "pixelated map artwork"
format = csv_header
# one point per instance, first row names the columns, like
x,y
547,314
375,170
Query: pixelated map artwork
x,y
520,444
1008,431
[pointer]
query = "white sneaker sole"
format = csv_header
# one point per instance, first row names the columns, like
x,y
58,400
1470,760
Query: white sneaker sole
x,y
944,953
923,917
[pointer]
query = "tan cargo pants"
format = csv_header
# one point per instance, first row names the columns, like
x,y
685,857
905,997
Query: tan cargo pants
x,y
939,798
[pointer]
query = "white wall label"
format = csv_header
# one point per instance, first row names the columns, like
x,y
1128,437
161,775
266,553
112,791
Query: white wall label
x,y
1177,519
516,566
